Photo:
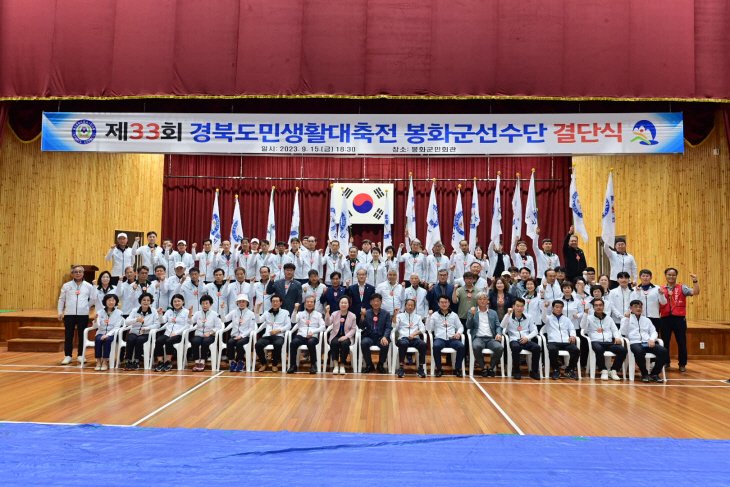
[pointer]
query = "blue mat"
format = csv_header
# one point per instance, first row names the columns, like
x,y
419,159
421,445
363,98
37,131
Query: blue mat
x,y
34,454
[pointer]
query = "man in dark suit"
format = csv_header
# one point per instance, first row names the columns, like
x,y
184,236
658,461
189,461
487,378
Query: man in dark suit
x,y
575,259
441,288
376,325
360,294
289,290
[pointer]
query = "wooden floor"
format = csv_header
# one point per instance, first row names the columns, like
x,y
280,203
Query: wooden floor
x,y
695,404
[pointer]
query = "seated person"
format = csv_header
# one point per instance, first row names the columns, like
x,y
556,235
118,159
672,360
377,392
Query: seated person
x,y
560,336
309,324
376,328
140,321
408,328
207,323
605,337
276,323
486,332
243,322
642,339
175,320
520,329
446,328
342,334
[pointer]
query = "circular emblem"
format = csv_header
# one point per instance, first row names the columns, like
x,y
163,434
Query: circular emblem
x,y
83,131
362,203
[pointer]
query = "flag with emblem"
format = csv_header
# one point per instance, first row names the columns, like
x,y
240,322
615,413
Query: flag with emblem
x,y
410,214
294,229
332,230
516,215
432,220
475,218
608,217
343,223
236,227
271,225
577,209
387,232
457,234
531,209
215,224
366,202
496,213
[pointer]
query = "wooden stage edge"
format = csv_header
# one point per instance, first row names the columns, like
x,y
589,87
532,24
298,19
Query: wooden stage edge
x,y
709,340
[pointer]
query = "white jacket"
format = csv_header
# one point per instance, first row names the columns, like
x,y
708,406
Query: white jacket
x,y
228,263
207,263
259,295
243,322
175,257
205,322
544,261
333,263
280,321
175,321
76,299
621,263
151,257
608,329
100,293
316,292
444,327
377,273
516,329
250,262
234,289
122,258
106,324
651,298
619,299
151,321
307,323
407,324
434,265
160,291
559,328
276,263
526,261
220,295
415,264
638,331
461,263
392,296
419,296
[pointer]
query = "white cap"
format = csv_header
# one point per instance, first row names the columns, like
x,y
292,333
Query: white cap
x,y
255,240
181,242
179,264
122,235
506,273
242,297
415,240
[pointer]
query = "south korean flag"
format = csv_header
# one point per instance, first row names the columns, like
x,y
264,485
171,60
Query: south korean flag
x,y
367,202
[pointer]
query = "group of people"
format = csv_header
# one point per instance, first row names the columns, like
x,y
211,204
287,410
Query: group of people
x,y
501,298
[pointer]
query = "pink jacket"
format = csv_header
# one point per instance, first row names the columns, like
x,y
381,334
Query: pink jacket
x,y
350,325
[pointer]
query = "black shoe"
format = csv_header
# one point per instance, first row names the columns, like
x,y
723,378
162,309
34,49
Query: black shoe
x,y
135,365
556,374
656,378
168,366
668,365
517,375
368,368
381,369
421,373
128,365
292,369
534,375
682,368
401,372
409,359
313,369
491,373
571,374
458,373
485,373
160,366
439,373
644,378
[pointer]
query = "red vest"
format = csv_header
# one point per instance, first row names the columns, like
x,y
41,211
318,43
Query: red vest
x,y
676,302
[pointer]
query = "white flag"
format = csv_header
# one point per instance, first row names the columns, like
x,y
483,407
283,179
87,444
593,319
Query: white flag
x,y
343,224
434,229
236,228
497,213
332,231
531,210
475,219
215,225
580,227
294,231
410,215
457,235
516,216
271,225
608,218
387,232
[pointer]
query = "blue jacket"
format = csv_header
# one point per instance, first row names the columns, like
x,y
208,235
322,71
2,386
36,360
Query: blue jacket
x,y
434,295
357,303
329,298
472,323
384,324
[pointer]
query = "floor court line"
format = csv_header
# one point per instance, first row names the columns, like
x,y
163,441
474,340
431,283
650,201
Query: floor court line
x,y
501,411
64,424
176,399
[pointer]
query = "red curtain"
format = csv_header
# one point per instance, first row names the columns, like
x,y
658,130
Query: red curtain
x,y
188,202
501,48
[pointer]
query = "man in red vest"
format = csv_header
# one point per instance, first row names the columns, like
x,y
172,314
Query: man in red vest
x,y
673,314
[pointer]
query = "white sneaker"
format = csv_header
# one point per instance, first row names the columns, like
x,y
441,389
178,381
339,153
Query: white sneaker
x,y
81,359
335,369
604,374
104,367
66,360
342,370
98,366
614,375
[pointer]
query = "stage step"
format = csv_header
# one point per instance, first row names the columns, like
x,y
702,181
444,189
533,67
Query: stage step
x,y
44,345
56,332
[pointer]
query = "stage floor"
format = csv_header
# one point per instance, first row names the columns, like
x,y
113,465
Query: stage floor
x,y
695,404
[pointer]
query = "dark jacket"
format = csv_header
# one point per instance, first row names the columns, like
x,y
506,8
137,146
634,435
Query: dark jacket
x,y
359,303
384,324
289,297
472,323
575,260
434,294
509,300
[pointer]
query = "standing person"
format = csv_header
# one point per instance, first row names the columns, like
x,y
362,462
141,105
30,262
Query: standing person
x,y
140,322
108,320
103,288
342,334
521,259
261,299
182,255
479,281
520,330
218,290
243,322
248,259
192,288
482,260
309,259
500,300
673,313
237,287
560,336
391,260
549,289
365,255
276,323
227,260
377,271
642,336
651,296
151,253
175,320
575,259
334,261
621,261
465,297
315,289
418,294
122,255
295,254
620,297
499,261
435,262
532,301
546,259
415,260
486,332
392,292
287,288
441,288
76,297
408,328
160,289
605,337
461,260
446,328
360,294
309,324
351,266
376,328
207,323
207,260
279,260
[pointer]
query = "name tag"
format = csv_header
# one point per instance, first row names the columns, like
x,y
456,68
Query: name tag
x,y
415,261
311,262
174,320
195,293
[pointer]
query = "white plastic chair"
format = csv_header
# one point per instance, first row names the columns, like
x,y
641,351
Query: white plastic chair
x,y
182,348
528,357
303,348
561,353
448,350
119,343
649,357
248,348
486,351
354,356
91,343
413,350
608,357
149,346
284,347
374,348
